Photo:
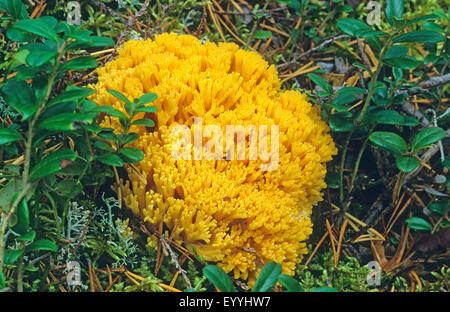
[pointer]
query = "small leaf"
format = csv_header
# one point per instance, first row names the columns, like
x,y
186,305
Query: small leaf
x,y
119,96
439,207
16,9
2,281
390,141
42,244
426,137
23,218
319,81
39,54
405,62
69,188
423,36
8,135
20,96
65,121
268,277
219,278
109,110
79,63
290,283
110,160
395,51
340,123
27,237
147,98
132,154
38,27
406,163
11,256
73,94
143,122
420,224
349,26
146,109
422,19
394,8
262,34
52,163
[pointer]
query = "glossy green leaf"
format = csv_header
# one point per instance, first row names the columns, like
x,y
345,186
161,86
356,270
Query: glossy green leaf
x,y
290,283
391,117
339,123
420,224
350,26
8,135
15,8
319,81
268,277
132,154
110,160
109,110
11,256
390,141
147,98
42,244
20,96
28,237
394,8
143,122
38,27
426,137
406,163
52,163
439,207
119,96
79,63
146,109
65,121
72,94
405,62
395,51
262,34
219,278
69,188
423,18
39,54
423,36
23,218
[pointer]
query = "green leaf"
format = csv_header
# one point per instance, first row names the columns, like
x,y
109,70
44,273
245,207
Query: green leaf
x,y
446,162
110,160
349,26
94,42
406,163
219,278
432,26
147,98
38,27
2,281
39,54
20,96
69,188
268,277
439,207
423,36
426,137
333,180
130,138
290,283
18,35
72,94
104,146
350,91
8,135
405,62
27,237
262,34
325,289
420,224
65,121
395,51
394,8
42,244
319,81
23,218
15,8
132,154
146,109
143,122
120,96
52,163
424,18
390,141
79,63
391,117
11,256
340,123
368,33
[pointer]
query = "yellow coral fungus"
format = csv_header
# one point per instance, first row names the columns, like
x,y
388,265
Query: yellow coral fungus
x,y
228,211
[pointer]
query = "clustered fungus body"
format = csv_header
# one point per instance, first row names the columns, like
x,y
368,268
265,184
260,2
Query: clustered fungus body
x,y
225,210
